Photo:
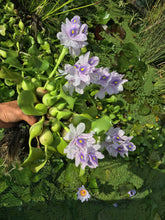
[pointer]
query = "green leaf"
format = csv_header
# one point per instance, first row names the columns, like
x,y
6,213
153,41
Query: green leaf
x,y
67,98
46,47
130,50
5,73
3,53
34,155
26,103
2,30
103,17
93,186
85,118
144,109
9,200
37,167
101,124
3,186
7,43
33,50
22,177
37,64
12,61
92,111
61,146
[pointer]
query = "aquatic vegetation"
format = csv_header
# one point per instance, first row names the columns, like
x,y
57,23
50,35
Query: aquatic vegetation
x,y
100,117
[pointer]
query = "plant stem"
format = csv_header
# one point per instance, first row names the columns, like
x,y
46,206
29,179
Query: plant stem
x,y
61,57
52,11
82,172
84,6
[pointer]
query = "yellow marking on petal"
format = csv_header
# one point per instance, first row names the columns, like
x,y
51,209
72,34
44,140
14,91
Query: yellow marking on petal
x,y
103,77
80,141
82,157
82,69
83,192
117,138
129,146
74,20
119,149
72,31
93,158
116,82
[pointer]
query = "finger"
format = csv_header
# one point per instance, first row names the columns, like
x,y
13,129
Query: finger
x,y
30,119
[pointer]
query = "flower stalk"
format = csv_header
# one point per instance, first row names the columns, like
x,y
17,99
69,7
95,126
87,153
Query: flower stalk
x,y
61,57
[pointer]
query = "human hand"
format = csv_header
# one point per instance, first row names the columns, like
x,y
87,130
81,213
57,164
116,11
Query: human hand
x,y
10,114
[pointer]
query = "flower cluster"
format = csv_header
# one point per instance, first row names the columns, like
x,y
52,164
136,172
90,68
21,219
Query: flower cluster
x,y
79,75
83,194
116,142
73,35
112,83
82,147
85,72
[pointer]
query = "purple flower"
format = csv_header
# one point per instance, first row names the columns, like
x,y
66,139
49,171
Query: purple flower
x,y
111,83
117,143
85,60
77,80
116,83
93,155
116,135
115,149
130,146
132,192
82,147
83,194
78,76
73,35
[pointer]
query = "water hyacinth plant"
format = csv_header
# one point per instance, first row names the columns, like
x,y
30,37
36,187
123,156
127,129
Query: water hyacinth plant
x,y
71,126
